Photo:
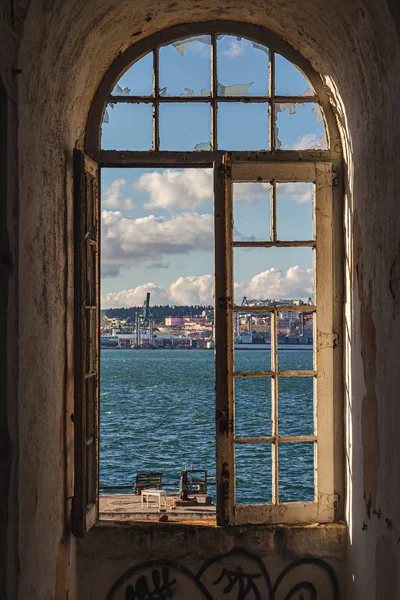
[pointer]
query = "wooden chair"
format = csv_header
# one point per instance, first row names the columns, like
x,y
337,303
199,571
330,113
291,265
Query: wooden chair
x,y
145,481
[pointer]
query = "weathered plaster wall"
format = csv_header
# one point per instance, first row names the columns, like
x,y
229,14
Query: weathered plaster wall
x,y
66,48
209,562
8,299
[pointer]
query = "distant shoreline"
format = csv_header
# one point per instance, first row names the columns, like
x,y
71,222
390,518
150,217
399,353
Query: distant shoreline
x,y
237,347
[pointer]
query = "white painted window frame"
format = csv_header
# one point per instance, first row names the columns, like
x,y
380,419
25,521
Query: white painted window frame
x,y
322,510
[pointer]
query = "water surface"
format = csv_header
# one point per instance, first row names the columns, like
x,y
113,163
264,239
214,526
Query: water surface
x,y
157,414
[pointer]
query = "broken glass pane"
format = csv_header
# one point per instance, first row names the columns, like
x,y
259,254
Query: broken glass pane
x,y
289,80
118,91
129,127
254,44
188,93
164,91
185,67
138,79
260,47
299,126
239,89
183,125
242,68
183,45
106,115
242,126
203,146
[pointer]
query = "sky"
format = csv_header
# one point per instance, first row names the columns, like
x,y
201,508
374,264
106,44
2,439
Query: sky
x,y
157,224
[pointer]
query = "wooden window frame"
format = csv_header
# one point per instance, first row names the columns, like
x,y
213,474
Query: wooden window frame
x,y
324,505
85,505
322,166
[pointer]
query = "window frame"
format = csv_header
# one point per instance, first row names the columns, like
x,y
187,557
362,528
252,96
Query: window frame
x,y
329,160
86,417
323,507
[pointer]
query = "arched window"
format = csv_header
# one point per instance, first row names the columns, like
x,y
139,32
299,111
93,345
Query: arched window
x,y
177,101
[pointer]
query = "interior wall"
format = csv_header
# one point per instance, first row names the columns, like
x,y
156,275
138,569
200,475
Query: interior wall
x,y
66,48
8,299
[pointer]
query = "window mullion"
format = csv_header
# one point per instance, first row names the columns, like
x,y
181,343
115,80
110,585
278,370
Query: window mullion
x,y
274,407
214,92
156,105
273,212
272,131
225,468
325,343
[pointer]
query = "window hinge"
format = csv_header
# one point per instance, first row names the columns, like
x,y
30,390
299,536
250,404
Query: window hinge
x,y
327,340
225,302
335,339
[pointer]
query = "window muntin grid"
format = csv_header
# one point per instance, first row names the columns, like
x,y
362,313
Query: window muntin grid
x,y
228,104
317,505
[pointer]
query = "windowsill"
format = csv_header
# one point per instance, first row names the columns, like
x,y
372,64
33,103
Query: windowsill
x,y
124,522
339,527
144,540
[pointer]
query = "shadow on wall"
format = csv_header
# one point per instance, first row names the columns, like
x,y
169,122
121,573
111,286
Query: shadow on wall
x,y
237,575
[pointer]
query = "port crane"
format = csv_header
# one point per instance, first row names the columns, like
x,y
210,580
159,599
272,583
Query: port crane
x,y
249,319
143,317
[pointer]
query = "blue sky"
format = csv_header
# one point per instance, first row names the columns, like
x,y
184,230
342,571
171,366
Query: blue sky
x,y
157,223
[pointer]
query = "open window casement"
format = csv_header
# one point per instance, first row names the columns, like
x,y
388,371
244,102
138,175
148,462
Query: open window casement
x,y
85,507
321,509
86,331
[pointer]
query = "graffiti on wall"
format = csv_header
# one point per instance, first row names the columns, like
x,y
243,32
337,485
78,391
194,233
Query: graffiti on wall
x,y
237,575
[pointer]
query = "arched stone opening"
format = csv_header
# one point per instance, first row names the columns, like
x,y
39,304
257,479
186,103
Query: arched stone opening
x,y
65,50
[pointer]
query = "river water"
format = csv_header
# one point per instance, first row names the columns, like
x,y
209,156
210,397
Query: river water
x,y
157,414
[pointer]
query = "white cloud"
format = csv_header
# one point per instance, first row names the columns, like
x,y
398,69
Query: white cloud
x,y
113,196
235,49
190,189
299,192
135,296
192,290
171,189
126,241
273,283
250,193
309,141
198,289
305,142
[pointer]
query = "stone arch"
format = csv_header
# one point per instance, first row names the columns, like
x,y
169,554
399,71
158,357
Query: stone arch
x,y
65,49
